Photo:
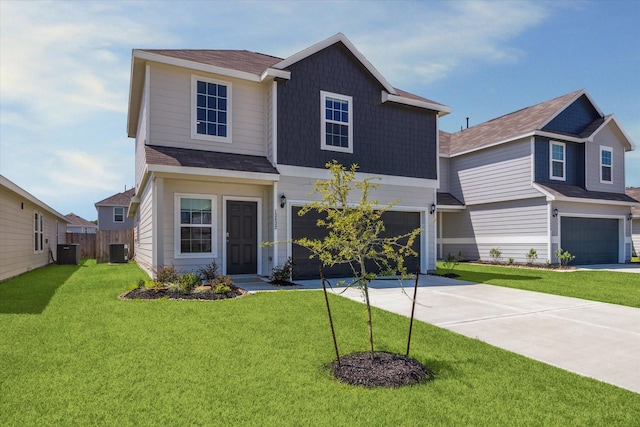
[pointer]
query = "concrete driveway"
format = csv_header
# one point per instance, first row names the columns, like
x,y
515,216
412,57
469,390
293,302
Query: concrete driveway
x,y
590,338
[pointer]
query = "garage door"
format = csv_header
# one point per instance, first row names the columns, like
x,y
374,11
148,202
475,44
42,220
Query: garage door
x,y
396,223
590,240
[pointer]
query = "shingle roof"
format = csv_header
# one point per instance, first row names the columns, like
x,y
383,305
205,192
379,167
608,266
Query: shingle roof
x,y
79,221
508,126
448,199
635,194
241,60
171,156
574,191
120,199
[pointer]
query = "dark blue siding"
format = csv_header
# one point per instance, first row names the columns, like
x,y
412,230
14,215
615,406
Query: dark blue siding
x,y
575,118
574,162
389,139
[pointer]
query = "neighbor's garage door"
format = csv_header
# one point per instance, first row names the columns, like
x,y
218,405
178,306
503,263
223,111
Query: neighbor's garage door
x,y
396,223
590,240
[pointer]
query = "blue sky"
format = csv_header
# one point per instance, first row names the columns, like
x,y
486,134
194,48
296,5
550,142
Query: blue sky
x,y
64,68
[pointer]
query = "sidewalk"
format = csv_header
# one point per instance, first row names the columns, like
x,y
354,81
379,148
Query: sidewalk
x,y
590,338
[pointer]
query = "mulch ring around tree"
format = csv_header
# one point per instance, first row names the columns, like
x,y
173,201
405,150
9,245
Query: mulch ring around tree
x,y
385,370
175,294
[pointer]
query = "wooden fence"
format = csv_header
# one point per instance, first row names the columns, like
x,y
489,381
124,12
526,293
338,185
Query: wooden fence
x,y
97,245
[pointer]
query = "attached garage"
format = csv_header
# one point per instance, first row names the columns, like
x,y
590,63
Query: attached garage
x,y
396,223
590,240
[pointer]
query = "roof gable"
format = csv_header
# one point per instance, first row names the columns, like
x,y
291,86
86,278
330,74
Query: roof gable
x,y
120,199
338,38
79,221
575,117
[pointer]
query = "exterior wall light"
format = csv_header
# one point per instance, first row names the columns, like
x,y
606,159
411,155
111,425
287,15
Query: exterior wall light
x,y
555,212
630,216
283,200
432,209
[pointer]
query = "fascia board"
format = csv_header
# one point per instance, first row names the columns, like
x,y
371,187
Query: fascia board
x,y
324,174
210,172
328,42
275,74
388,97
550,197
612,119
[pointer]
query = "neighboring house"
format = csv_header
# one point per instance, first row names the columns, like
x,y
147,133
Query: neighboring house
x,y
77,224
113,211
635,220
229,144
545,177
29,231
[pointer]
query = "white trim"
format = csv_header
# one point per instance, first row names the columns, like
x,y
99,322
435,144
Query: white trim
x,y
571,101
177,224
226,175
274,124
551,197
323,122
275,74
604,148
612,119
258,201
194,120
38,232
329,42
388,97
317,173
564,161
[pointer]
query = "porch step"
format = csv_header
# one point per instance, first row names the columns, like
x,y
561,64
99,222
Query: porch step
x,y
248,278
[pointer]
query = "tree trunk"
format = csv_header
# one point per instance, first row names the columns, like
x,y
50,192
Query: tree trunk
x,y
365,287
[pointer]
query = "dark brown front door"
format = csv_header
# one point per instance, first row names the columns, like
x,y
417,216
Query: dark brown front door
x,y
242,237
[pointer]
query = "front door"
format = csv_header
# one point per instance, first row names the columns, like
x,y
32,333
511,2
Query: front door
x,y
242,237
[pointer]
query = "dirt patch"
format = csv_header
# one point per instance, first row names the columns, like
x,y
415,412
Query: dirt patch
x,y
174,294
384,370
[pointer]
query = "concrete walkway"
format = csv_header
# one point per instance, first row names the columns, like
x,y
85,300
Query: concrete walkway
x,y
590,338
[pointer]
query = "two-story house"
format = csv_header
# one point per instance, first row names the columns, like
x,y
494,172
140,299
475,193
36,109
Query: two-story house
x,y
545,177
77,224
113,211
229,144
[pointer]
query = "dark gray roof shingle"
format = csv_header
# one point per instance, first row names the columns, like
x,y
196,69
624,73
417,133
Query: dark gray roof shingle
x,y
447,199
635,194
120,199
574,191
171,156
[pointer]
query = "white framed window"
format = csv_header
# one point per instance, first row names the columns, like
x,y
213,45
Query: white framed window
x,y
38,232
118,214
210,109
336,128
606,165
557,161
195,225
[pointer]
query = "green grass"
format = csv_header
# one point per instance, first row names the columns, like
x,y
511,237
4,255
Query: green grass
x,y
86,358
604,286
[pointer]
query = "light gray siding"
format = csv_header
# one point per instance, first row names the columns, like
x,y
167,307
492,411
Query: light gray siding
x,y
636,236
144,231
513,227
106,219
605,138
170,113
444,175
495,174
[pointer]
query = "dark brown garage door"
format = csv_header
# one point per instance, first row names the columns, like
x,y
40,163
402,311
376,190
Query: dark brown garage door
x,y
396,223
590,240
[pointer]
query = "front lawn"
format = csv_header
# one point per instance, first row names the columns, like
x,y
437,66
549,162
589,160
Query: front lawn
x,y
80,356
604,286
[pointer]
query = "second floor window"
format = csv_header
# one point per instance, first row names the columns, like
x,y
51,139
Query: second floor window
x,y
211,109
118,214
606,165
558,161
337,122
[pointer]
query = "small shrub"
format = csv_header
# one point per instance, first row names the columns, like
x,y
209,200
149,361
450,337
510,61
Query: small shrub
x,y
532,255
495,254
188,281
547,263
209,271
282,273
511,261
564,257
167,274
451,262
221,289
222,284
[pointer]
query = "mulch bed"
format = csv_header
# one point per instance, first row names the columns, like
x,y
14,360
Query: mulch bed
x,y
206,295
385,370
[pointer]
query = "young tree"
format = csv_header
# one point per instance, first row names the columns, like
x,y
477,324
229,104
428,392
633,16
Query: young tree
x,y
354,231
